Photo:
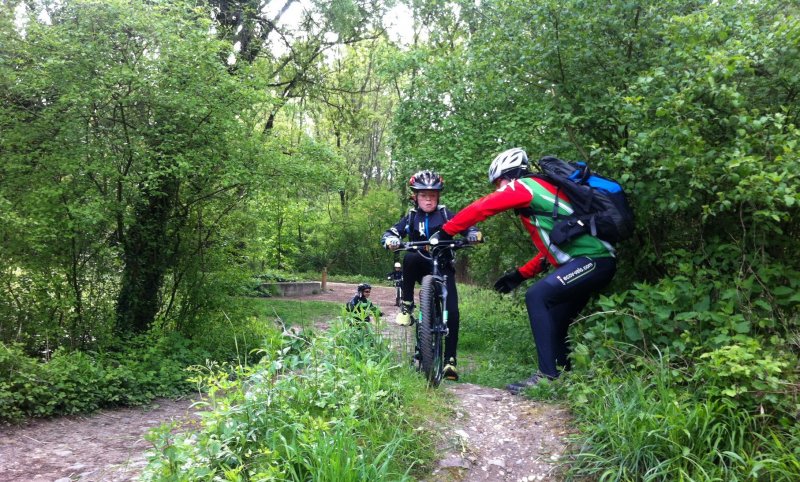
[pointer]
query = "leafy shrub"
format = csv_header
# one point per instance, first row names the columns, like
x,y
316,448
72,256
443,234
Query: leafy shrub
x,y
142,369
20,388
330,408
746,373
75,384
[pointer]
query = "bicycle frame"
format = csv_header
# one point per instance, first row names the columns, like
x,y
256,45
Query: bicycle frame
x,y
435,252
432,361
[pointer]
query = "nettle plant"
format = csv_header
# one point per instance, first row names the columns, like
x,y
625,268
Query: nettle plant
x,y
746,372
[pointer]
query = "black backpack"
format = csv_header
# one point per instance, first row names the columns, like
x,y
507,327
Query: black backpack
x,y
600,205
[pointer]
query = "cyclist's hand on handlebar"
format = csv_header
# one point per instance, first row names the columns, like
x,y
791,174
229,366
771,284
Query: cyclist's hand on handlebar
x,y
474,237
392,242
509,281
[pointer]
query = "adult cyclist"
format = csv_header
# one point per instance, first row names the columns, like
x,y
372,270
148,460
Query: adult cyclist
x,y
582,266
422,221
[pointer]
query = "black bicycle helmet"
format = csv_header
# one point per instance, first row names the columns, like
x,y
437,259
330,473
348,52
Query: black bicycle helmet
x,y
364,286
426,181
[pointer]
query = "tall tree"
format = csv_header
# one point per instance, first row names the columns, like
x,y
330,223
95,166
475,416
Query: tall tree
x,y
122,115
289,47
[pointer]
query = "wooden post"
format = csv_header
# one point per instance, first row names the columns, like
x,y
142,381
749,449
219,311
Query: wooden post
x,y
324,278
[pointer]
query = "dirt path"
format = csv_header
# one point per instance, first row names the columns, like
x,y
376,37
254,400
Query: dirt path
x,y
107,446
494,436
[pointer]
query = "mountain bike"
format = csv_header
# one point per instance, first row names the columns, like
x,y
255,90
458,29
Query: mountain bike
x,y
431,327
398,288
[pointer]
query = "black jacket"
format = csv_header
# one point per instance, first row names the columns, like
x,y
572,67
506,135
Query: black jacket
x,y
363,307
419,225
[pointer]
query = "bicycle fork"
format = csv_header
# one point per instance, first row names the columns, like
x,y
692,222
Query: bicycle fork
x,y
444,330
442,279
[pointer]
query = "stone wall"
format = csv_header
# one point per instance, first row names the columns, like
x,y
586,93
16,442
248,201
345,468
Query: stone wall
x,y
290,288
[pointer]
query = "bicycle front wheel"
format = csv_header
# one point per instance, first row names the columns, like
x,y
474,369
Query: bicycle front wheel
x,y
431,331
399,295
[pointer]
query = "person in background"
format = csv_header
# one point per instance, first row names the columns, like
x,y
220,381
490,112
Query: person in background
x,y
422,221
396,277
397,274
582,266
360,305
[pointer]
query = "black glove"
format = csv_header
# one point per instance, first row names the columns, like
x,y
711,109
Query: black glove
x,y
474,237
439,236
565,231
508,281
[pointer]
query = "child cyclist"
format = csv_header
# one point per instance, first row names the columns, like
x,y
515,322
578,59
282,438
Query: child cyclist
x,y
361,307
397,274
396,277
422,221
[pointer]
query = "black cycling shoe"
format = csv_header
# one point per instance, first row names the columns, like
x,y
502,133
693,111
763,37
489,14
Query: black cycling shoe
x,y
517,387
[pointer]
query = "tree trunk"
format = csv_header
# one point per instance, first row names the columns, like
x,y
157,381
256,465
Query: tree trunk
x,y
147,259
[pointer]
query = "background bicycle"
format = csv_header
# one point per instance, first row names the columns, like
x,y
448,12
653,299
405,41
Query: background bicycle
x,y
396,277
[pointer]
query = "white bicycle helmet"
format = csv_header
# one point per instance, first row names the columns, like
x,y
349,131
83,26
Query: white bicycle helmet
x,y
397,265
508,161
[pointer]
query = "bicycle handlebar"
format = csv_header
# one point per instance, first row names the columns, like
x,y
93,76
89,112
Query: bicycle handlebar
x,y
449,243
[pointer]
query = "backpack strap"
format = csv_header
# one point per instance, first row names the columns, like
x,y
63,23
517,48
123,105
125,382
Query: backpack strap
x,y
528,211
410,222
555,203
443,212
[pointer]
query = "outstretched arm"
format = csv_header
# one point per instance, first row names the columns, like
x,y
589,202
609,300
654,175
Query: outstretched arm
x,y
512,196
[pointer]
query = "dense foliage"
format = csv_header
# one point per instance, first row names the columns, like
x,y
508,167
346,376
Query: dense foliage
x,y
123,150
78,382
693,106
156,155
150,165
337,407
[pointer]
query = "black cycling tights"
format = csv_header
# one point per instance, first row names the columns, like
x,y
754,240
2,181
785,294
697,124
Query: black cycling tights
x,y
415,267
554,301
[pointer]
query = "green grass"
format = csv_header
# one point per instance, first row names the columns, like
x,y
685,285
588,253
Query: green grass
x,y
293,312
495,345
640,425
638,419
334,407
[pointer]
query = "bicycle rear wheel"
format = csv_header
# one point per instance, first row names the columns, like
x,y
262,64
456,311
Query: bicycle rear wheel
x,y
431,331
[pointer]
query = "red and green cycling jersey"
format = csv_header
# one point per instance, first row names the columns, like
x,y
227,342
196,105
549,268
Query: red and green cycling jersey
x,y
536,200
